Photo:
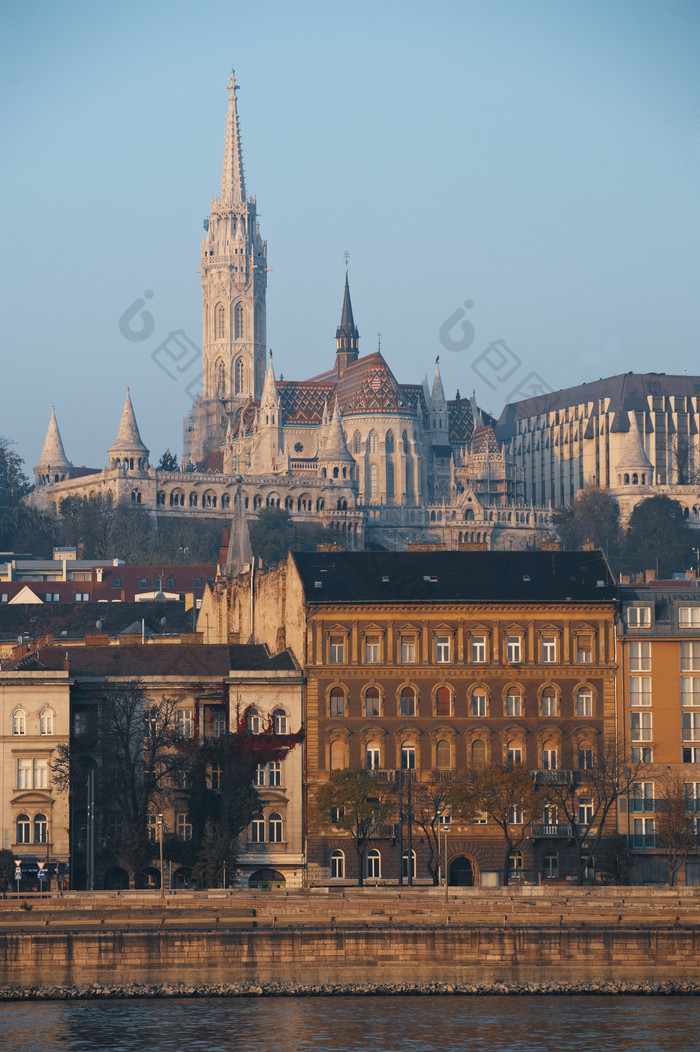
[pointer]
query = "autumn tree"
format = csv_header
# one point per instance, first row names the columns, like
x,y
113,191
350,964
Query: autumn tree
x,y
658,537
592,516
505,792
431,804
583,800
674,827
361,803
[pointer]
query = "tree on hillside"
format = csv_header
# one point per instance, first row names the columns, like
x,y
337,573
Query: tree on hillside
x,y
86,525
272,535
593,516
504,792
675,828
168,461
13,482
658,537
360,803
26,529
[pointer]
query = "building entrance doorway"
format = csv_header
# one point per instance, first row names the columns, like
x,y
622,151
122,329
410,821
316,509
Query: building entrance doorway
x,y
461,873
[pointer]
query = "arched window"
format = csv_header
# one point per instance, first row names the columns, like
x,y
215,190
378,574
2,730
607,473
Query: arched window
x,y
372,702
23,829
515,752
336,702
584,702
274,828
373,481
240,321
372,442
373,865
337,865
41,829
19,722
389,481
357,442
408,756
372,756
443,702
193,500
443,758
253,721
404,866
239,376
549,756
389,441
338,756
407,702
220,321
46,722
220,379
405,443
280,721
549,702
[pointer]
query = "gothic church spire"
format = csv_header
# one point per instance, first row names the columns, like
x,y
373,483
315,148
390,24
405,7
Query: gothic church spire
x,y
346,335
233,176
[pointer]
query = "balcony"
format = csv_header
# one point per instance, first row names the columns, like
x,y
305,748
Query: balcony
x,y
559,829
552,777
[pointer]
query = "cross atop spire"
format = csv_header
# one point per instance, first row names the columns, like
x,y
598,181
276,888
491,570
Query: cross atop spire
x,y
233,176
346,335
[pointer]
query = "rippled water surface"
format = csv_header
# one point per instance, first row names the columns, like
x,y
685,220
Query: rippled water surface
x,y
342,1024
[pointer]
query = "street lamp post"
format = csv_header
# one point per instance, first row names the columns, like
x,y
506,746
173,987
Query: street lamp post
x,y
445,826
160,851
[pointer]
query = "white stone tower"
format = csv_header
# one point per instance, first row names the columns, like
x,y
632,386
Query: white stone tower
x,y
234,280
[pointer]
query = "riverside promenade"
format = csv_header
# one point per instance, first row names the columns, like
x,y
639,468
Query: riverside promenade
x,y
534,939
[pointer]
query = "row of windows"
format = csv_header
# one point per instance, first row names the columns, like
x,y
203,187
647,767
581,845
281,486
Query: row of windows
x,y
268,830
479,703
640,691
479,650
32,773
640,616
640,656
373,865
445,758
30,831
19,721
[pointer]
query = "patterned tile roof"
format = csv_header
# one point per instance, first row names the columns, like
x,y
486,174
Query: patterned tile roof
x,y
460,420
484,441
304,401
369,386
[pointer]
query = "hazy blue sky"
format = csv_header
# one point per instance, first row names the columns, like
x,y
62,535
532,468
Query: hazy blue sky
x,y
539,159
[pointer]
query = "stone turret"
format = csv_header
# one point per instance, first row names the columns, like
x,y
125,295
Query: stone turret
x,y
346,335
128,453
53,464
336,460
634,467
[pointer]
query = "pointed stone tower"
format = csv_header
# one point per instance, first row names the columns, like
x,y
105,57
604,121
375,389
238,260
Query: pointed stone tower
x,y
240,551
346,335
634,467
337,462
53,464
438,411
128,453
270,432
234,282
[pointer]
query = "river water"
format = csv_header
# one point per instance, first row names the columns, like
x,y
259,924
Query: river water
x,y
347,1024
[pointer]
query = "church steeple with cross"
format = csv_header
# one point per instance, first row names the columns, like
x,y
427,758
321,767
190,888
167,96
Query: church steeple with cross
x,y
346,335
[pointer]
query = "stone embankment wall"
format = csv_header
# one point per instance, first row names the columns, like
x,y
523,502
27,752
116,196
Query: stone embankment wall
x,y
535,936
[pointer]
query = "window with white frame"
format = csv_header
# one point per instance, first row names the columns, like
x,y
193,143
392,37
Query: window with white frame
x,y
443,755
218,723
690,726
692,796
372,756
690,656
41,829
257,831
336,702
253,722
372,650
408,650
641,726
549,649
215,773
442,649
641,754
404,866
640,691
479,705
373,865
184,723
515,864
585,757
372,702
689,616
260,773
336,650
550,868
549,756
513,650
639,616
183,826
515,815
642,796
152,828
408,756
337,865
584,650
690,691
279,717
478,650
274,828
584,703
274,772
585,810
407,702
691,754
643,832
640,656
549,706
23,830
19,722
514,703
515,752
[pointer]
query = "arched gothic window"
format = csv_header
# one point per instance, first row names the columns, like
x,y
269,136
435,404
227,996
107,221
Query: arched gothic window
x,y
239,376
220,321
240,321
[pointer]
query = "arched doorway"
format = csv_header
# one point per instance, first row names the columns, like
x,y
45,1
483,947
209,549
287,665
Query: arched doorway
x,y
461,873
116,879
266,878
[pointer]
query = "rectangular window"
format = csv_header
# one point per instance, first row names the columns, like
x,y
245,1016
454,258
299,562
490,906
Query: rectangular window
x,y
184,723
691,755
218,723
171,582
372,650
274,772
259,777
640,657
640,726
442,649
215,777
184,827
24,774
513,649
642,797
549,759
478,650
515,754
692,796
549,704
408,757
639,616
514,705
690,725
116,582
82,597
585,811
585,759
690,691
584,703
407,704
143,582
584,650
257,831
408,651
372,758
337,813
478,705
549,649
690,657
515,816
689,616
337,650
197,582
642,754
640,690
643,833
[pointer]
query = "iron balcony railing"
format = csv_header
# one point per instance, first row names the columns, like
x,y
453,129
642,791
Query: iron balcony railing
x,y
557,829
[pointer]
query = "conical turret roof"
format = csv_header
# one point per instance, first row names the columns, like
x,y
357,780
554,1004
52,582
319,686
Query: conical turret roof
x,y
336,448
53,455
128,439
437,398
240,551
634,457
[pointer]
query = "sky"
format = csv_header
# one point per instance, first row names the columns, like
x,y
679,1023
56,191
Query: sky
x,y
516,185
